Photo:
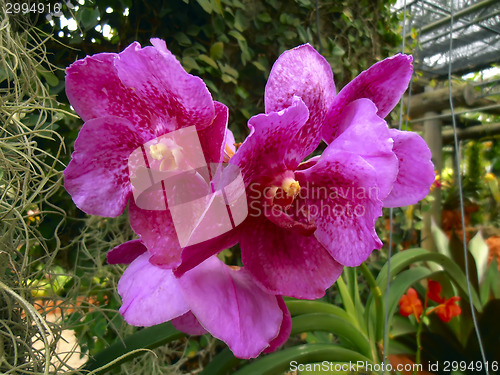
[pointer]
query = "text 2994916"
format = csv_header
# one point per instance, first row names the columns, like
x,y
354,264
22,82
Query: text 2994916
x,y
32,7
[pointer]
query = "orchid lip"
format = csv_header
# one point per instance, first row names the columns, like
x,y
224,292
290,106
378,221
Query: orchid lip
x,y
275,207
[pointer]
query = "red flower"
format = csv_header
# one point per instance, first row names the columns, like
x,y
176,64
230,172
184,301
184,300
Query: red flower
x,y
410,304
434,292
448,309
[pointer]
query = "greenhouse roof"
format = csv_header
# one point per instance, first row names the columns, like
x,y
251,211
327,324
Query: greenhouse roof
x,y
476,34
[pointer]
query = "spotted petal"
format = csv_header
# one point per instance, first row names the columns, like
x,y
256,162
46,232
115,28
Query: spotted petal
x,y
285,262
383,83
275,143
302,72
346,210
97,176
178,98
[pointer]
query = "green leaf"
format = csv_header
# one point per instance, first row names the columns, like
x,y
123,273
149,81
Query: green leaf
x,y
240,21
279,362
221,364
491,283
88,17
441,240
206,5
259,66
338,326
182,39
264,17
480,251
299,307
404,259
208,61
189,63
129,348
217,51
347,301
235,34
50,77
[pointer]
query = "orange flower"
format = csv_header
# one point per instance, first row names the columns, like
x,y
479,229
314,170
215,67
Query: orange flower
x,y
448,309
410,304
434,292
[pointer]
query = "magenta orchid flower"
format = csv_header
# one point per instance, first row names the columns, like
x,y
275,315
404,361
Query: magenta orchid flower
x,y
126,100
308,220
213,297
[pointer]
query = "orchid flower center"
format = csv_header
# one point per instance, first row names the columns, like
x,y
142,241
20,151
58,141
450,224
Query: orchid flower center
x,y
290,187
284,194
167,155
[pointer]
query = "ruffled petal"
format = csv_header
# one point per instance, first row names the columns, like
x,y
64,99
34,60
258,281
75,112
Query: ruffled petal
x,y
151,295
285,330
416,170
188,323
383,83
97,178
285,262
302,72
274,144
366,134
341,192
195,254
157,231
231,307
177,98
212,137
126,253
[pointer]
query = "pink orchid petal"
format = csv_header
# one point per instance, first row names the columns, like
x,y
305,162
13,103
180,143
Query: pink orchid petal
x,y
157,232
285,262
188,323
366,134
302,72
195,254
383,83
231,307
230,141
150,294
274,144
212,137
97,176
285,330
177,98
416,170
346,210
126,253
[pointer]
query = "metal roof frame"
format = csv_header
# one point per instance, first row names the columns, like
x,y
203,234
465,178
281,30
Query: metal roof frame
x,y
476,34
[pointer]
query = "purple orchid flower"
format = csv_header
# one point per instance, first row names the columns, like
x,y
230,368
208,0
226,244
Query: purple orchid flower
x,y
213,297
308,220
126,100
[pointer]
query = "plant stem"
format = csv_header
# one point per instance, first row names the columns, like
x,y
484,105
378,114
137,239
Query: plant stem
x,y
419,343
